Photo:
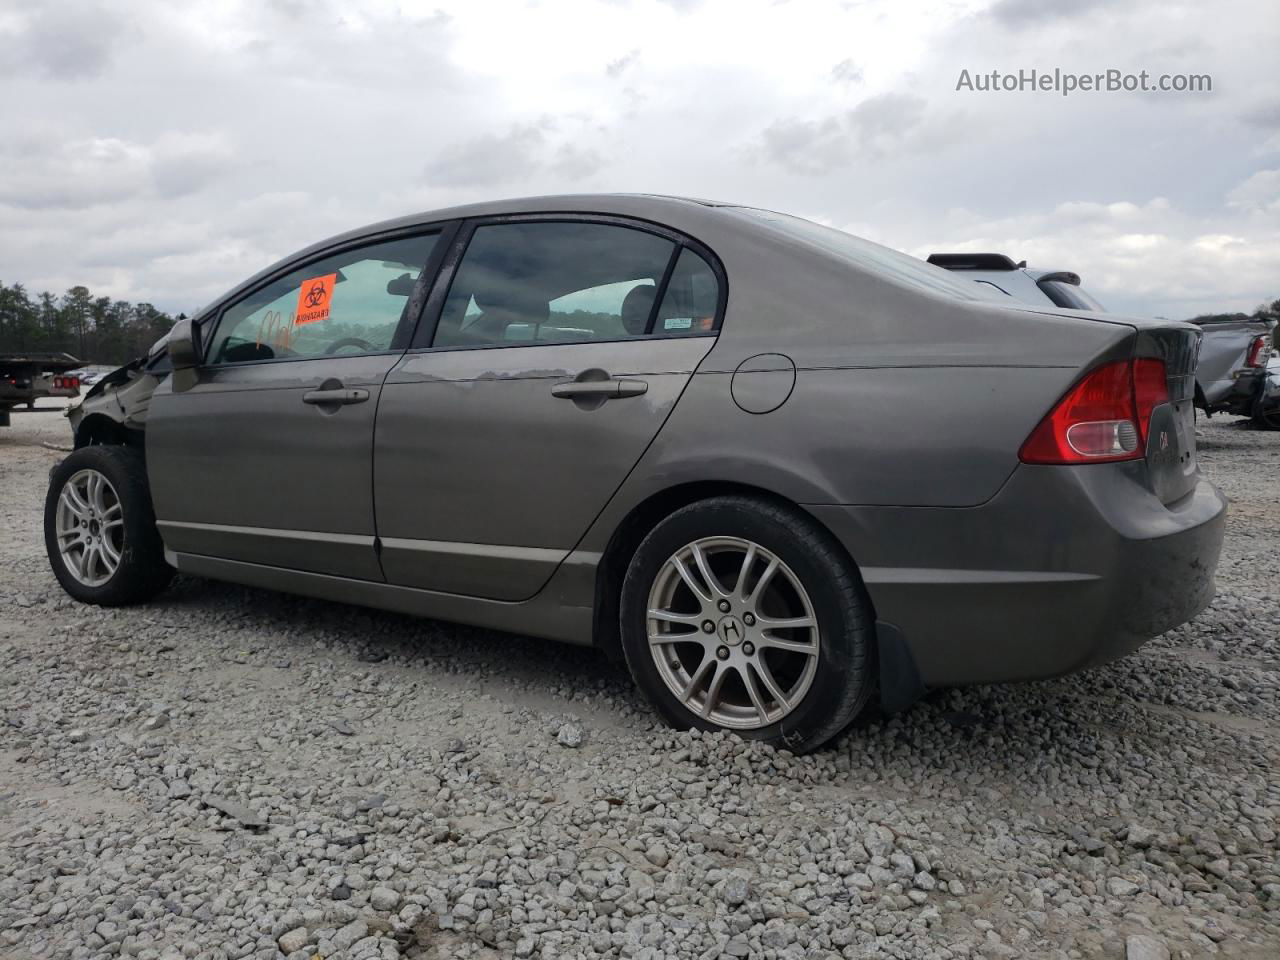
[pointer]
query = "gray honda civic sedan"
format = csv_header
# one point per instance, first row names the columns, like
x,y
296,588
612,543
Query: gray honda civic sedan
x,y
787,474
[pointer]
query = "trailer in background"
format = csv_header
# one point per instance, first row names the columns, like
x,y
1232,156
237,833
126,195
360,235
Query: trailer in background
x,y
26,377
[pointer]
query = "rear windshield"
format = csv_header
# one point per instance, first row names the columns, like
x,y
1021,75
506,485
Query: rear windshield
x,y
1070,296
883,260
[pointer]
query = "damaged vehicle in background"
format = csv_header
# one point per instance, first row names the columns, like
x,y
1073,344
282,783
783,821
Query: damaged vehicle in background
x,y
1231,375
27,377
705,438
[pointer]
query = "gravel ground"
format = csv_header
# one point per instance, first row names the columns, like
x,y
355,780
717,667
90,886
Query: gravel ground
x,y
233,773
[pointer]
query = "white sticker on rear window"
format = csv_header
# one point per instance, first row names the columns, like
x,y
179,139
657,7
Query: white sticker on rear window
x,y
677,323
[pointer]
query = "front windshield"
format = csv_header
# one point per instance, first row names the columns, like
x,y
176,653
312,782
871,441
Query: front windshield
x,y
898,266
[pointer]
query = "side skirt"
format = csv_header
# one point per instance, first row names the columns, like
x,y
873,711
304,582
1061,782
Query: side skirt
x,y
545,615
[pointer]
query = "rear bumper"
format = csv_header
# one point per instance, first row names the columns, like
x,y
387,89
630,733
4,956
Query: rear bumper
x,y
1065,568
1235,395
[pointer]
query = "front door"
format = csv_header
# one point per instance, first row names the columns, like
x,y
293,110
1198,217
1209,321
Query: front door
x,y
268,457
560,349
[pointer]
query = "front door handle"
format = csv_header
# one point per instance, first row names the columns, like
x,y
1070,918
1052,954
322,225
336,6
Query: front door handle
x,y
610,389
335,397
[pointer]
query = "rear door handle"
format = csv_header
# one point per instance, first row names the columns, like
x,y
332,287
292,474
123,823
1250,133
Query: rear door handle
x,y
610,389
339,397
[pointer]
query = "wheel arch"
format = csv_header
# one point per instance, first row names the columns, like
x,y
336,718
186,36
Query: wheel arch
x,y
646,515
100,429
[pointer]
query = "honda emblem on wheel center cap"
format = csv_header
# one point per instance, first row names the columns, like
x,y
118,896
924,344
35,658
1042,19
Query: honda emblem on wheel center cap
x,y
730,630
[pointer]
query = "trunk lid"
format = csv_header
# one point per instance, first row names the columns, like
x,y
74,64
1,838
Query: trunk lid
x,y
1172,466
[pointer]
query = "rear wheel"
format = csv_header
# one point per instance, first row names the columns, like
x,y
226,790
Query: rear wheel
x,y
100,530
1268,420
740,614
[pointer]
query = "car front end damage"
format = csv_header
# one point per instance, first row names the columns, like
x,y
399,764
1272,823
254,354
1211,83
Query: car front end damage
x,y
115,409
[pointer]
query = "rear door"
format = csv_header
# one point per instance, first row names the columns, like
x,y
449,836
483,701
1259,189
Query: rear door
x,y
268,458
550,355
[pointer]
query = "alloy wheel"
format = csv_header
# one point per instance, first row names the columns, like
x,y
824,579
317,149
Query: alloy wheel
x,y
90,527
732,632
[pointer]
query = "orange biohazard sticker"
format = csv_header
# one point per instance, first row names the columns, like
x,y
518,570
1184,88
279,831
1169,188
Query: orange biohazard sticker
x,y
314,297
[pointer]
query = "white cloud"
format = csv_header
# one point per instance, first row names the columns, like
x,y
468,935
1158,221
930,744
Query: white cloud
x,y
1258,194
164,152
1147,258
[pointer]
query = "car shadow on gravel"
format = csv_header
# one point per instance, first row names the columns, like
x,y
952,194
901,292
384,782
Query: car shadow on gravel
x,y
372,636
1220,439
1029,720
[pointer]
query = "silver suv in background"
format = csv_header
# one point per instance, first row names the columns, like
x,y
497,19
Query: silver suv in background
x,y
1232,373
1052,288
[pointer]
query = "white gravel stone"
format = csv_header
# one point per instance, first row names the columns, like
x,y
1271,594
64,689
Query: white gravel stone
x,y
1121,887
569,735
1143,947
384,898
294,940
375,781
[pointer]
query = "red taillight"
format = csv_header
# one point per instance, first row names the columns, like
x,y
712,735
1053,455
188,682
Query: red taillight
x,y
1257,355
1103,418
1150,389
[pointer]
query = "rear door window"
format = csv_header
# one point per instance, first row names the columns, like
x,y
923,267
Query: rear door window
x,y
535,282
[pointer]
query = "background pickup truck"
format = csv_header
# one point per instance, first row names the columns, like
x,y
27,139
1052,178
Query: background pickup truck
x,y
25,378
1232,375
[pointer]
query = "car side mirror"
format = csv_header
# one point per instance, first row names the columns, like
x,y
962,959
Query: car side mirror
x,y
184,354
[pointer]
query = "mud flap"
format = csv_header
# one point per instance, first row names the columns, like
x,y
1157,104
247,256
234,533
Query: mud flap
x,y
900,683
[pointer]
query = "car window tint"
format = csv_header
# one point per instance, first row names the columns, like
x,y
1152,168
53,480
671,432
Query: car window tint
x,y
348,303
689,305
553,282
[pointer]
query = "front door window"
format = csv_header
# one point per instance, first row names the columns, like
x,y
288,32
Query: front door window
x,y
344,304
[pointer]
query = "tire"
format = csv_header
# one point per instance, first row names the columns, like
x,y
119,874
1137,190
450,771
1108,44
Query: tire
x,y
109,515
825,675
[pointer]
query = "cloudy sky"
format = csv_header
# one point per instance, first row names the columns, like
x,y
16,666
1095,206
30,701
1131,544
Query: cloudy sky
x,y
162,151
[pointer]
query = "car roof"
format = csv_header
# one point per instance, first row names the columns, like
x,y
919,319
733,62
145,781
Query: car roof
x,y
627,204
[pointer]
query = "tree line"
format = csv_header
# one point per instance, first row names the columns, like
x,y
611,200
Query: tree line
x,y
92,329
106,331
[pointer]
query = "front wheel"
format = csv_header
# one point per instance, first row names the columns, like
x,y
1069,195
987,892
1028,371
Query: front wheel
x,y
100,530
740,614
